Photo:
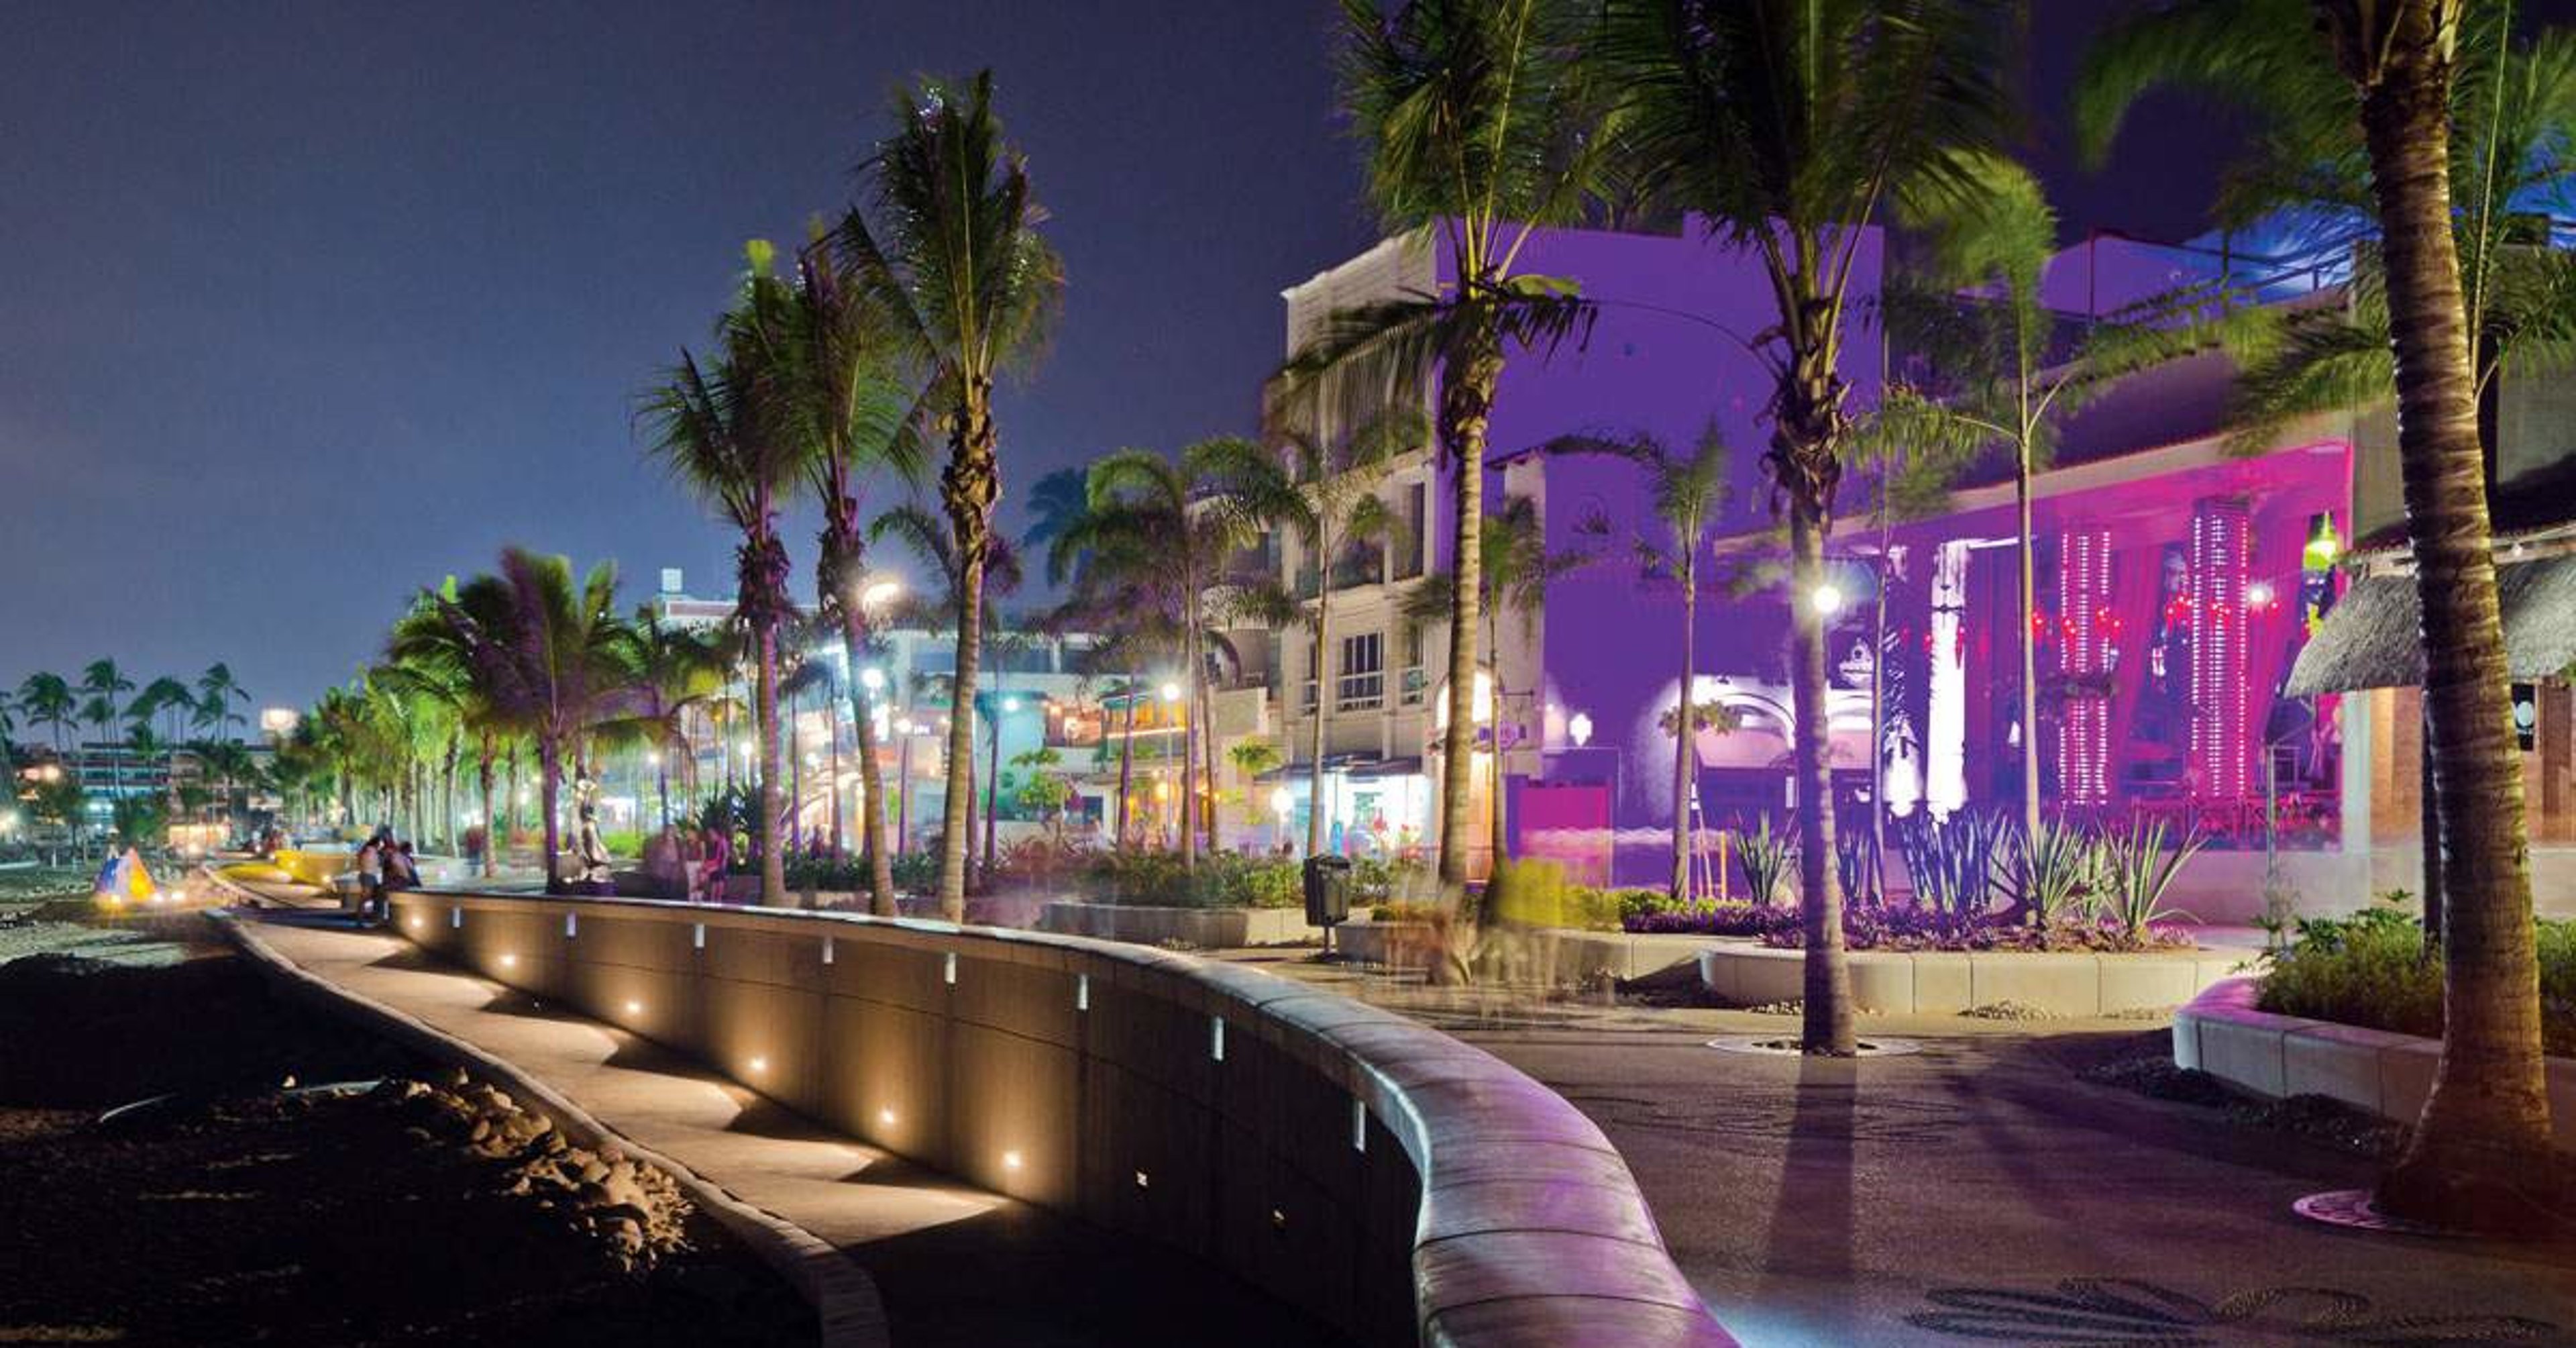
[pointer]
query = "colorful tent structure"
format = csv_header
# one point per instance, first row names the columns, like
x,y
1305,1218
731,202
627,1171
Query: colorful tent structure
x,y
124,880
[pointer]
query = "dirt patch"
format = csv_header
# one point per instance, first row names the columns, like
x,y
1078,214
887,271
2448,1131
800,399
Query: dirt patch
x,y
2144,1064
425,1210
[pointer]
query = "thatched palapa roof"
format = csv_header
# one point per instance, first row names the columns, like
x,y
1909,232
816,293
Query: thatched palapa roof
x,y
2373,638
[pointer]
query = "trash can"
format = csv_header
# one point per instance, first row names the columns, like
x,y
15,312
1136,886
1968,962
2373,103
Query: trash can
x,y
1328,890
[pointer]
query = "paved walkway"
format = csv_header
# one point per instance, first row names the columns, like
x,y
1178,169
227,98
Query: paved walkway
x,y
1980,1191
954,1265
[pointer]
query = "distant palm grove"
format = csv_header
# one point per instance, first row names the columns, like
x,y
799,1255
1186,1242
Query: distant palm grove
x,y
856,371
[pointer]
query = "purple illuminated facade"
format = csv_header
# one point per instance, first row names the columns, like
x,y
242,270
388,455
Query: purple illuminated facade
x,y
2176,586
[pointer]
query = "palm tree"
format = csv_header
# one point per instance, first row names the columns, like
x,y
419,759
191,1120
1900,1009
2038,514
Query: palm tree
x,y
927,537
106,686
1788,125
1514,570
1478,130
217,691
47,699
680,674
1324,490
1158,531
962,282
735,447
1688,495
545,655
1996,377
836,381
2380,86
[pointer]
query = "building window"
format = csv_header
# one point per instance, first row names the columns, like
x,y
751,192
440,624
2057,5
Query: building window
x,y
1363,681
1413,680
1408,550
1307,703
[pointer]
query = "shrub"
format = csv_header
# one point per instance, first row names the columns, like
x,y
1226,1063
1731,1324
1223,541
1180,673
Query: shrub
x,y
1403,911
2371,969
1889,927
2137,873
1724,919
1534,893
1221,880
1636,903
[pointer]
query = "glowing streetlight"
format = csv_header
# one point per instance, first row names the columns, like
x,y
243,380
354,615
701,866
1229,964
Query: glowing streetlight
x,y
2258,594
872,679
1282,803
1826,598
1580,728
1010,704
1171,692
881,593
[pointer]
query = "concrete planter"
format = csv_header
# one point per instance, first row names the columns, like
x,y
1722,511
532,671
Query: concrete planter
x,y
2382,1071
1555,954
1940,983
1206,928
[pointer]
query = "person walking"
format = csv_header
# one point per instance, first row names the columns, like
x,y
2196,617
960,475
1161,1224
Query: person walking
x,y
371,873
719,853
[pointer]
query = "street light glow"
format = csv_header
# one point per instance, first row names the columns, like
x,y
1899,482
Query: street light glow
x,y
1171,692
880,594
1827,598
1010,704
872,678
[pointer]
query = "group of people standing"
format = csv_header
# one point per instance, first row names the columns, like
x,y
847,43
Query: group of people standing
x,y
690,863
384,864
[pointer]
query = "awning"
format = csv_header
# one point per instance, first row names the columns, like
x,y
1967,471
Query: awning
x,y
1386,767
2372,638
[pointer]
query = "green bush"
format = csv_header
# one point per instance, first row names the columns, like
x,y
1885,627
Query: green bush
x,y
1535,893
1220,880
2370,969
1641,902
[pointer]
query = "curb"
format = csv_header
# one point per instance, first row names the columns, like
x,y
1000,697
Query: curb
x,y
849,1311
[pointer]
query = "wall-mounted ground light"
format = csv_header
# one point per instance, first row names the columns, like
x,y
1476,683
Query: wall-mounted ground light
x,y
949,974
827,950
456,916
1359,1126
697,935
886,1117
509,961
1082,992
1010,1160
415,922
634,1008
1141,1180
760,1064
571,921
1278,1220
1216,1038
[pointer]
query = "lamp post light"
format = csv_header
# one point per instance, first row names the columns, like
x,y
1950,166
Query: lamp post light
x,y
903,784
1282,805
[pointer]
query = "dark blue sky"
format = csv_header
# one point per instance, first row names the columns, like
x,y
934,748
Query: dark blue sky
x,y
303,306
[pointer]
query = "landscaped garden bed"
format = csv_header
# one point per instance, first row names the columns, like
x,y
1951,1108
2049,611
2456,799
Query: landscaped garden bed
x,y
2371,969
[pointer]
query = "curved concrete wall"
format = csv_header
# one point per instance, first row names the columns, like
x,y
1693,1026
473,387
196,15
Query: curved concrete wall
x,y
1385,1177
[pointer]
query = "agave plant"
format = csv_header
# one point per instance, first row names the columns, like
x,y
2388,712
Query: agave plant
x,y
2139,869
1767,857
2058,868
1958,863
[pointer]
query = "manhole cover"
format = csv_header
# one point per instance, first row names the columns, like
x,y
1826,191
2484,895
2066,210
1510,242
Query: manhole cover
x,y
1777,1047
2352,1208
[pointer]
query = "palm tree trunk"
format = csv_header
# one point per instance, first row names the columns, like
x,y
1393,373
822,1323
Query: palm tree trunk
x,y
1126,768
872,820
2484,1135
549,778
491,829
773,862
1189,818
1684,726
2029,642
1467,400
1315,767
1827,1020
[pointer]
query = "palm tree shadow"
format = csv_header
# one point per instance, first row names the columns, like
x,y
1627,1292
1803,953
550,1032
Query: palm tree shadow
x,y
1813,1227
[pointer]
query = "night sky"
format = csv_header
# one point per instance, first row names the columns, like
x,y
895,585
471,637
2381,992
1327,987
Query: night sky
x,y
305,306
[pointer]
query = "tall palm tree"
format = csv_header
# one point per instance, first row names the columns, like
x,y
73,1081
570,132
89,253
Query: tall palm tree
x,y
1788,125
1160,530
546,657
928,538
47,700
837,382
716,430
963,283
1323,489
1990,371
106,687
680,675
1514,570
1688,494
1477,129
217,692
2380,87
